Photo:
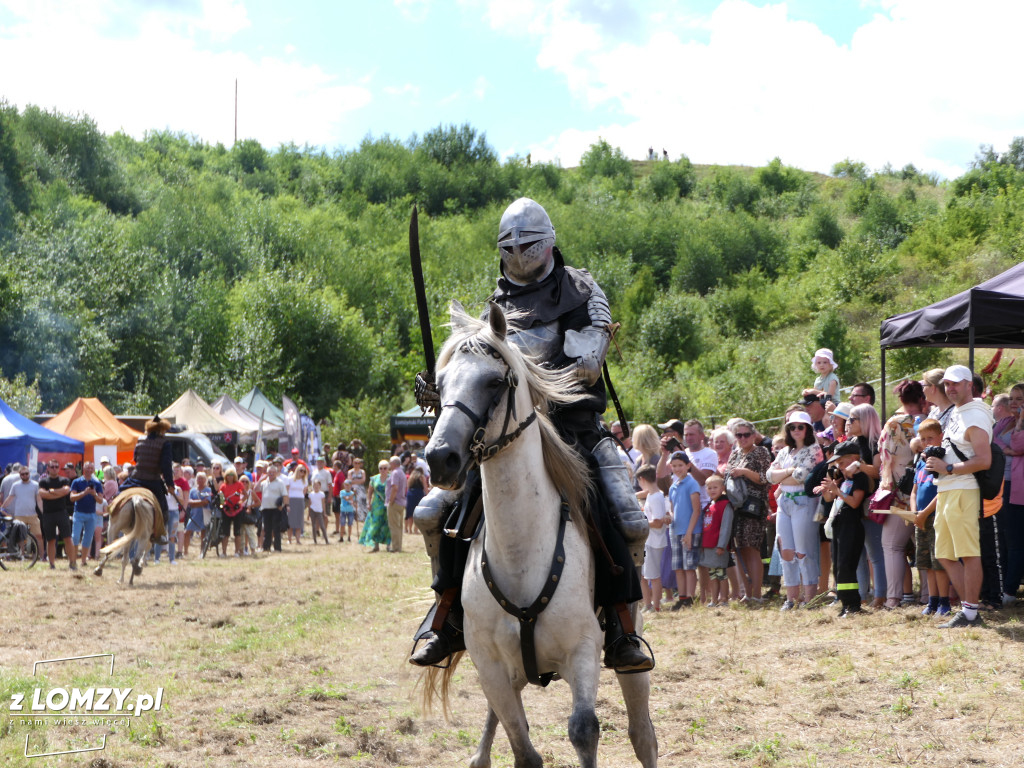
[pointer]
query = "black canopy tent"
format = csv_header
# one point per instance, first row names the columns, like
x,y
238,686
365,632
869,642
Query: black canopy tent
x,y
991,314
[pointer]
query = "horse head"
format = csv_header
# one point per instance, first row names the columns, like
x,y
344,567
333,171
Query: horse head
x,y
478,383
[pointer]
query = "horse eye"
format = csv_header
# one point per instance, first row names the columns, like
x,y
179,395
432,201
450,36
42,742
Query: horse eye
x,y
495,383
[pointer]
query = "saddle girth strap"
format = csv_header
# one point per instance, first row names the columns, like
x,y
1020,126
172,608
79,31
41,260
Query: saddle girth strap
x,y
528,616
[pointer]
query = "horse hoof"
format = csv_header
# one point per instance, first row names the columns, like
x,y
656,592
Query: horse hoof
x,y
98,571
136,570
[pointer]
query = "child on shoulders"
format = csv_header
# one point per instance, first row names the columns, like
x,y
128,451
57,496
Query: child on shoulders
x,y
825,366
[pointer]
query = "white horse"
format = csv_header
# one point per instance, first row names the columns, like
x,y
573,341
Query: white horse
x,y
526,470
135,519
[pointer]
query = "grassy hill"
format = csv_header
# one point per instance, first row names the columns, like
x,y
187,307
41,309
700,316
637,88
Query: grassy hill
x,y
135,268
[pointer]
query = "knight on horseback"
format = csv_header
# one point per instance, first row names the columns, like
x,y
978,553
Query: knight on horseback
x,y
560,317
154,471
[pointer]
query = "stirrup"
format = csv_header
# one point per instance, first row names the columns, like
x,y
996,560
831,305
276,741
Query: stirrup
x,y
450,640
629,637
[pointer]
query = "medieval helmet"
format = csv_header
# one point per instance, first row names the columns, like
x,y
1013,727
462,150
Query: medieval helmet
x,y
525,241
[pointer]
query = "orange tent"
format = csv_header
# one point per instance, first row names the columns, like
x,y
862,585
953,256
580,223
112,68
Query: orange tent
x,y
88,420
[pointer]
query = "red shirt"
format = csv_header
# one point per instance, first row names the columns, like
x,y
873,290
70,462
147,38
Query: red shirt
x,y
339,482
234,497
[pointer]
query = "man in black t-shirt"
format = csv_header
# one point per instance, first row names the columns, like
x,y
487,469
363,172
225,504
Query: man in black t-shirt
x,y
54,491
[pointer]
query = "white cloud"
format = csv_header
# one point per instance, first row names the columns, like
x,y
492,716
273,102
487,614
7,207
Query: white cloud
x,y
480,87
924,81
167,72
413,10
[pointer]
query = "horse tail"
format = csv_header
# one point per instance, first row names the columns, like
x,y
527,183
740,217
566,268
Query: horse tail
x,y
138,527
437,683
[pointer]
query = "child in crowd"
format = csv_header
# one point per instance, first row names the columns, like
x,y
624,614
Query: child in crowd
x,y
347,499
922,503
717,530
825,366
657,516
847,486
315,502
687,523
836,430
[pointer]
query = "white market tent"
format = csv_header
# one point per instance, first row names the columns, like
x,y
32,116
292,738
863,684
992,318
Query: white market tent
x,y
195,415
230,409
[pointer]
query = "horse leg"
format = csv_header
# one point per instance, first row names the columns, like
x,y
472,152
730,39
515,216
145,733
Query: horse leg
x,y
636,691
98,570
582,675
124,564
482,757
505,699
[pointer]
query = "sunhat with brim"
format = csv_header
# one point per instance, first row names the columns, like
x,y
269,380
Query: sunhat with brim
x,y
827,354
843,410
799,417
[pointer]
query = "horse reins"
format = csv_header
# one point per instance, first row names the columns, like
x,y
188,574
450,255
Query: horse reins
x,y
478,449
481,452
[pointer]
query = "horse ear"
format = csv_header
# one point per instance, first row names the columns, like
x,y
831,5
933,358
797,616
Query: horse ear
x,y
457,314
497,320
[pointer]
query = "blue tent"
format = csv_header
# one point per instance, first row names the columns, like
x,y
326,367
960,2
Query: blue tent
x,y
18,435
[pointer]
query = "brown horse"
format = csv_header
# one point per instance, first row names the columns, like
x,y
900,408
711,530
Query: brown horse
x,y
131,513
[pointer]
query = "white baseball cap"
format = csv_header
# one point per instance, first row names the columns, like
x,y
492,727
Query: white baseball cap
x,y
958,373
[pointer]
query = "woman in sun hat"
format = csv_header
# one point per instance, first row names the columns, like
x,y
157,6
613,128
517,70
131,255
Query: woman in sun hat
x,y
795,524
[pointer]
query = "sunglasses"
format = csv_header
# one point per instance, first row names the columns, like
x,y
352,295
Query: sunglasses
x,y
854,418
796,426
743,434
23,474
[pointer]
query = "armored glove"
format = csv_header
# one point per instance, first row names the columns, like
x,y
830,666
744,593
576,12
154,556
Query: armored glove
x,y
426,392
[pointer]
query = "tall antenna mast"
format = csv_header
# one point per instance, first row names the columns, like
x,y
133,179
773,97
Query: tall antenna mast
x,y
236,110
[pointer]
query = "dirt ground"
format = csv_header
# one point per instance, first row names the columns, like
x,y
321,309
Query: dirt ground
x,y
300,657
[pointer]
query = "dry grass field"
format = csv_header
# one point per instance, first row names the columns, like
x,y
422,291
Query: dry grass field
x,y
299,659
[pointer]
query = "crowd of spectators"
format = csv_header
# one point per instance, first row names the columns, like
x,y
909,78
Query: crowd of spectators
x,y
252,508
837,506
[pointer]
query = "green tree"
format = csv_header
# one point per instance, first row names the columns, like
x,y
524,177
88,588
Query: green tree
x,y
671,328
452,145
21,394
604,160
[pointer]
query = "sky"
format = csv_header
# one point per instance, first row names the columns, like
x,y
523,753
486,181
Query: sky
x,y
812,82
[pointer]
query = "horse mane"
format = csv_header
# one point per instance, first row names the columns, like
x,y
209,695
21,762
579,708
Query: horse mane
x,y
548,389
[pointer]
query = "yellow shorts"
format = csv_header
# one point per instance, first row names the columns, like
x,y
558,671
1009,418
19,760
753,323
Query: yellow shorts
x,y
956,524
33,525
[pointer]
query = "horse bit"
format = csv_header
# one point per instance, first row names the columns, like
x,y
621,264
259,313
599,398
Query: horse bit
x,y
478,449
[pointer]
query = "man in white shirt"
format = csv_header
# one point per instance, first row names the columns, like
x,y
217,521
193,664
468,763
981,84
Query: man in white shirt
x,y
958,504
703,460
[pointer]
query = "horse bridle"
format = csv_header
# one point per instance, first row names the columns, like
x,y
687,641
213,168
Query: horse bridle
x,y
478,449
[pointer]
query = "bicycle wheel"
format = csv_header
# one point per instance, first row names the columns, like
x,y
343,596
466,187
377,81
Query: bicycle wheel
x,y
20,559
211,534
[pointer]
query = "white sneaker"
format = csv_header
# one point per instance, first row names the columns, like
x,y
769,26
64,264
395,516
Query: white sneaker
x,y
788,605
1009,600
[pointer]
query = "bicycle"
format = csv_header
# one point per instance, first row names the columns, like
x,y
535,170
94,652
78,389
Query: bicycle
x,y
18,547
211,533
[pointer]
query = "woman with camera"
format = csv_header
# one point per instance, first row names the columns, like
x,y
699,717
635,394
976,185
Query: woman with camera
x,y
895,485
749,462
863,429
